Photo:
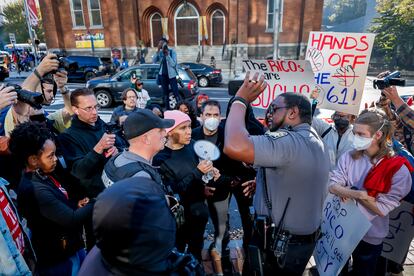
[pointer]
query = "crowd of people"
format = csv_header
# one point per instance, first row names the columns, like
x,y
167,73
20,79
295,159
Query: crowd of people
x,y
132,197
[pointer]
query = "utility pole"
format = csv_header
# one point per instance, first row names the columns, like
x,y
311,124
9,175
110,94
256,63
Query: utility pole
x,y
29,28
276,23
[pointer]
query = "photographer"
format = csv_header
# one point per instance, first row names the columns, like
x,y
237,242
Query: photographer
x,y
168,70
47,84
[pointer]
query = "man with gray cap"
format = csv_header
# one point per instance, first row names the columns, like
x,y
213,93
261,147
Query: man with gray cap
x,y
146,135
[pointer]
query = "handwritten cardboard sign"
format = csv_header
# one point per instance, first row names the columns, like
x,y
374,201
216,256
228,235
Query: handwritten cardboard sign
x,y
400,234
340,63
281,76
343,226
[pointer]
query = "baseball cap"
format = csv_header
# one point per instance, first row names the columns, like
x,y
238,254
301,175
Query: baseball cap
x,y
142,121
133,225
178,117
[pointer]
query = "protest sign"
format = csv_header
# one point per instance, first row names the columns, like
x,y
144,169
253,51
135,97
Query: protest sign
x,y
343,226
340,63
281,76
400,234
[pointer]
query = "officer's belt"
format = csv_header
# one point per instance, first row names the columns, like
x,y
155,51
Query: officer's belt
x,y
296,238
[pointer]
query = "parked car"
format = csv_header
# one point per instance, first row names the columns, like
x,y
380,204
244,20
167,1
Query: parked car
x,y
108,89
89,67
4,73
205,74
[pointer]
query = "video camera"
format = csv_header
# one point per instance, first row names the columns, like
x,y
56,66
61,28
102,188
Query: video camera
x,y
393,78
34,99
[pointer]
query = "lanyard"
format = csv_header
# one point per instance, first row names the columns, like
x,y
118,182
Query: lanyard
x,y
57,184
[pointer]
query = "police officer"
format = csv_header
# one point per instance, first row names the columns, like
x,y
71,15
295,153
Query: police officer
x,y
146,135
291,181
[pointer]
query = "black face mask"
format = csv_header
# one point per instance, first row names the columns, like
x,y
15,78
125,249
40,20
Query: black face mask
x,y
341,123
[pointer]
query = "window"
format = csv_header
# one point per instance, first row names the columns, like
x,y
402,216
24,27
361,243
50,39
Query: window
x,y
271,13
155,28
77,13
127,75
152,73
95,12
218,27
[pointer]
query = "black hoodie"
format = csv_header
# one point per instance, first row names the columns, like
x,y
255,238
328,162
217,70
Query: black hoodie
x,y
77,144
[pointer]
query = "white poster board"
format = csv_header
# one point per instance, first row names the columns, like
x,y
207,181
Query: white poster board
x,y
281,76
340,63
342,228
400,234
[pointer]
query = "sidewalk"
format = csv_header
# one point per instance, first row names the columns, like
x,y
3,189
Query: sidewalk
x,y
15,75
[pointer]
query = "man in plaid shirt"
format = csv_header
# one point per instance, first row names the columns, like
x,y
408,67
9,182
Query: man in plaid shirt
x,y
403,110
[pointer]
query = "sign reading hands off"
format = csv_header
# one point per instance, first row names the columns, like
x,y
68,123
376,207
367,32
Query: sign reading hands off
x,y
281,76
342,228
340,63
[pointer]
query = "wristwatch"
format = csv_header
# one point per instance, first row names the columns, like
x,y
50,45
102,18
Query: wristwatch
x,y
64,91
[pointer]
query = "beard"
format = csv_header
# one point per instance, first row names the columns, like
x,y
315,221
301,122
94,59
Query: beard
x,y
276,126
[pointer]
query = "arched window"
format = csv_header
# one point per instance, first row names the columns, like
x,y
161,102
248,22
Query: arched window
x,y
156,28
218,27
186,25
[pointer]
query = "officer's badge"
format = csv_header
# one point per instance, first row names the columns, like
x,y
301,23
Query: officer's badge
x,y
277,134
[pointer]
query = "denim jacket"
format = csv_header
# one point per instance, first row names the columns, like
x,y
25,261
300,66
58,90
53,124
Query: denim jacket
x,y
171,62
11,261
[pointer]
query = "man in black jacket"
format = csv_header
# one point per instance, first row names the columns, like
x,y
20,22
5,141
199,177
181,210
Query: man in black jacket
x,y
146,136
218,203
85,145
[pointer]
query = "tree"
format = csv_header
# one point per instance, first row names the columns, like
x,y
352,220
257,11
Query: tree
x,y
340,11
15,22
395,33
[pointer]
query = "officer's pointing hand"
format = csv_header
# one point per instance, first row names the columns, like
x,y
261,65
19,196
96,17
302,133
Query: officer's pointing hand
x,y
252,88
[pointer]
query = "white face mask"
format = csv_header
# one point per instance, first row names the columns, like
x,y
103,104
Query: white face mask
x,y
362,143
211,123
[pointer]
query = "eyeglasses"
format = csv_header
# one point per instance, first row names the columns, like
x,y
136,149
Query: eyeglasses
x,y
274,108
337,116
89,109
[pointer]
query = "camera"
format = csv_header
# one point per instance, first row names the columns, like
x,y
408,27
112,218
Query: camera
x,y
34,99
165,46
112,128
65,64
393,78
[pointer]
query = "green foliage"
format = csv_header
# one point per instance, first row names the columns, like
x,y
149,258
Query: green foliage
x,y
340,11
16,22
395,33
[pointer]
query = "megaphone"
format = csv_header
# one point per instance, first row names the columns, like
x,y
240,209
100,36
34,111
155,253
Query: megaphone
x,y
206,150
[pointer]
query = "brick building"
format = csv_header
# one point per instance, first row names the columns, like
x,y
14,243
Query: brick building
x,y
226,29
